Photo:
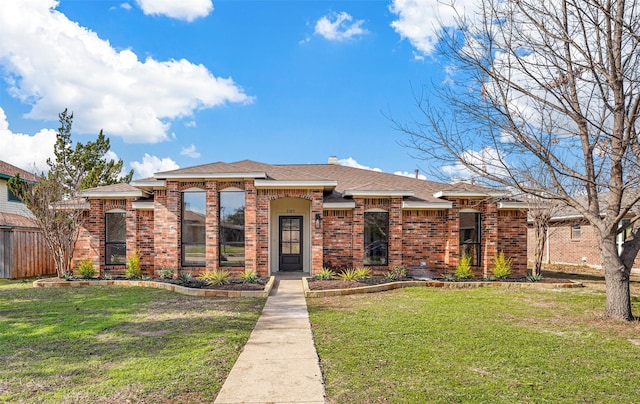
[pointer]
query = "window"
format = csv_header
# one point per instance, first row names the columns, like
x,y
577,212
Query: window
x,y
116,238
470,236
193,228
232,228
376,238
575,231
11,196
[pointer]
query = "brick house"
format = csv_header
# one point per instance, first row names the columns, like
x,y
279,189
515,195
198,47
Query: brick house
x,y
572,240
270,218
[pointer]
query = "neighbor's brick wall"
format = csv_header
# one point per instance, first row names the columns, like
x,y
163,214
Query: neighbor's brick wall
x,y
423,238
565,250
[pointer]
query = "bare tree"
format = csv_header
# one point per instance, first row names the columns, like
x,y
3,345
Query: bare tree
x,y
551,84
59,217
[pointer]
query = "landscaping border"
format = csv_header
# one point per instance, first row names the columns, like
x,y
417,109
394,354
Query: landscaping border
x,y
434,284
60,283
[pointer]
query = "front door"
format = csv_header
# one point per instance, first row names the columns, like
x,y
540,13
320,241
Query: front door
x,y
290,243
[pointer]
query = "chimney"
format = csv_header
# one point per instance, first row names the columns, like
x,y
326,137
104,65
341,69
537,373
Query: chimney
x,y
417,172
332,160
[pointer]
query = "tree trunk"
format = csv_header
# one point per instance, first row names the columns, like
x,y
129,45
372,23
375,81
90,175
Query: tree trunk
x,y
540,242
618,303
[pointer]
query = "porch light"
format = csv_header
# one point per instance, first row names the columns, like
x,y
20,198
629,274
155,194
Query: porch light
x,y
318,220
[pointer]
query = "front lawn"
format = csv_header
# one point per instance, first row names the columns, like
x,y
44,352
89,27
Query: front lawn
x,y
117,344
420,345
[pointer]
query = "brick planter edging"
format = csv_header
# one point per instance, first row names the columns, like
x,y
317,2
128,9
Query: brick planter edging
x,y
433,284
47,283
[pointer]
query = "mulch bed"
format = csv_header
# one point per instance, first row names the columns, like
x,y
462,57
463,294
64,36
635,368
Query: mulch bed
x,y
315,284
234,284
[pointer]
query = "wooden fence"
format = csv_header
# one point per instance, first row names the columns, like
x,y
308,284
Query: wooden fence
x,y
24,254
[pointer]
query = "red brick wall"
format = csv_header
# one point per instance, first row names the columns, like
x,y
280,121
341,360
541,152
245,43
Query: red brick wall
x,y
423,238
512,239
338,237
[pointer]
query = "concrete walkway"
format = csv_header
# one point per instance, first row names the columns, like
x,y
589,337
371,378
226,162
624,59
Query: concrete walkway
x,y
279,363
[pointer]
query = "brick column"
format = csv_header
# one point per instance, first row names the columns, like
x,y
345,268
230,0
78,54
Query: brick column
x,y
395,233
256,224
317,252
452,237
357,241
212,220
167,226
489,235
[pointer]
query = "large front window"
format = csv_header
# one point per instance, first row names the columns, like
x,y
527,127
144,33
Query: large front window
x,y
232,228
116,238
376,239
193,228
470,236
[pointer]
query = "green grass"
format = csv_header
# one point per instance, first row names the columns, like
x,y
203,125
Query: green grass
x,y
421,345
117,344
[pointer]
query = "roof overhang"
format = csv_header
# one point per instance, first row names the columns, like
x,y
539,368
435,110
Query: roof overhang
x,y
211,176
470,194
339,205
379,193
426,205
142,205
134,193
513,205
154,184
275,184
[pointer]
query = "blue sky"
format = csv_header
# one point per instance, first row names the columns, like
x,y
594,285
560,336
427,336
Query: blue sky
x,y
181,83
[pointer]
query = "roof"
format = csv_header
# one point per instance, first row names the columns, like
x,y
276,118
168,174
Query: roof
x,y
14,220
565,212
8,171
122,190
349,181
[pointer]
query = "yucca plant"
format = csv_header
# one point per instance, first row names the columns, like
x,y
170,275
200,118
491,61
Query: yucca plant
x,y
217,277
363,272
249,276
348,274
325,274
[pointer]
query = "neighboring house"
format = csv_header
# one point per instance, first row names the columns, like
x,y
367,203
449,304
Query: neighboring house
x,y
572,240
23,252
270,218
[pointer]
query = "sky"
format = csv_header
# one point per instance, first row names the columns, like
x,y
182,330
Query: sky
x,y
183,83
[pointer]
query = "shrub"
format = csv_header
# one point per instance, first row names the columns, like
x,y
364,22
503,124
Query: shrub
x,y
534,278
133,270
325,274
401,271
86,269
249,276
185,277
216,277
463,270
501,266
398,272
167,273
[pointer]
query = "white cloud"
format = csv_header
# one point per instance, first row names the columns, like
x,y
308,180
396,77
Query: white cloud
x,y
411,175
338,27
350,162
190,152
152,164
125,6
187,10
25,151
53,63
419,20
488,160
